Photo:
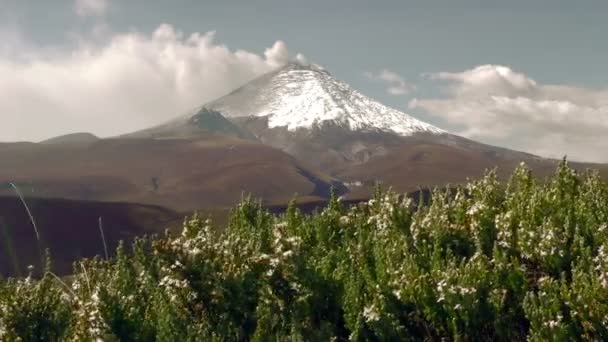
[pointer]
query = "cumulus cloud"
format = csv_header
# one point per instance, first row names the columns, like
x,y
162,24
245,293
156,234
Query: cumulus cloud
x,y
86,8
130,82
498,105
396,85
277,54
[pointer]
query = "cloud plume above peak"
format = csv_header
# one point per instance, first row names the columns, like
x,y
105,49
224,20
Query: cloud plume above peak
x,y
500,106
132,81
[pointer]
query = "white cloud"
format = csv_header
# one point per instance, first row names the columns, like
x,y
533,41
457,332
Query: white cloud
x,y
85,8
396,84
277,54
500,106
130,82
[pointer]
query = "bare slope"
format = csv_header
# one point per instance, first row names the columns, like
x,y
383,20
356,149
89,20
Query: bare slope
x,y
70,230
184,174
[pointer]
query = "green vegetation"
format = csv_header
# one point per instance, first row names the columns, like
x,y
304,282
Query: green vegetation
x,y
523,260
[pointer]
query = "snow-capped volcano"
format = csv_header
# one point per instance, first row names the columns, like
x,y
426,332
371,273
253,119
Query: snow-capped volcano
x,y
306,96
302,110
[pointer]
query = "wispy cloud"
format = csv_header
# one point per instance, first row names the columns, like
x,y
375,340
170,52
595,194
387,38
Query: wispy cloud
x,y
86,8
396,85
498,105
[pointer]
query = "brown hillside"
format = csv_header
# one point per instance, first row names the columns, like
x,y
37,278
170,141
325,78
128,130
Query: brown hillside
x,y
422,164
70,230
183,174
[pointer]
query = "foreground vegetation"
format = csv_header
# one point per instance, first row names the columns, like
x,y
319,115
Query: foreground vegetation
x,y
523,260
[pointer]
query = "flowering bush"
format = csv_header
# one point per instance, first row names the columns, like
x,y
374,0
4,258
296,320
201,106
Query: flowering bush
x,y
526,260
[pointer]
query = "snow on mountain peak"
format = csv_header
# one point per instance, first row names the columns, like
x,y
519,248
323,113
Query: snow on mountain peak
x,y
303,95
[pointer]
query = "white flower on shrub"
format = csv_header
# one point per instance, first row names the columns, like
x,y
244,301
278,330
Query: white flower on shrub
x,y
601,265
3,313
89,314
175,287
371,314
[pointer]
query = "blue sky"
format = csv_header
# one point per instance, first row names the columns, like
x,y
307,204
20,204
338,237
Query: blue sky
x,y
558,45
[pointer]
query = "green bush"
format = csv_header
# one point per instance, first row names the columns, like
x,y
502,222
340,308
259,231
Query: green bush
x,y
526,260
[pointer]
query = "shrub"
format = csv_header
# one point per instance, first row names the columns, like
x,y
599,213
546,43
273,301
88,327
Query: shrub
x,y
487,261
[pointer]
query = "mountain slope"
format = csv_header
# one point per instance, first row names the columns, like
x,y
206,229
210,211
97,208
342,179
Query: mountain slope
x,y
74,138
203,121
182,174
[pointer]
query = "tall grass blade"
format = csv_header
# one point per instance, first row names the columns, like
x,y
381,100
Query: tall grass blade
x,y
103,238
29,213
